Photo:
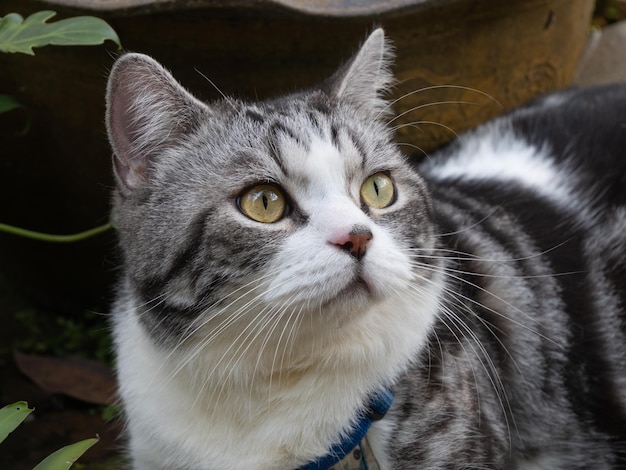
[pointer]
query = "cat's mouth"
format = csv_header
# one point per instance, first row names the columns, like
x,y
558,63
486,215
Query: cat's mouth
x,y
362,285
357,290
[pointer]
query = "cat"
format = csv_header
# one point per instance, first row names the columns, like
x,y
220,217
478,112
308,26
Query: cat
x,y
286,270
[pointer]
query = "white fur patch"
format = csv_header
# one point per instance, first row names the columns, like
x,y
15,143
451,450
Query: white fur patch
x,y
309,266
500,155
494,153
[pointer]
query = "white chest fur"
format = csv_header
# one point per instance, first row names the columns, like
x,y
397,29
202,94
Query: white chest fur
x,y
209,412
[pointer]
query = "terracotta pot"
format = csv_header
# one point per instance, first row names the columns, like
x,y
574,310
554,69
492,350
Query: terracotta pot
x,y
458,63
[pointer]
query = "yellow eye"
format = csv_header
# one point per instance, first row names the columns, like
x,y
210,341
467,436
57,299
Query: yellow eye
x,y
264,203
378,191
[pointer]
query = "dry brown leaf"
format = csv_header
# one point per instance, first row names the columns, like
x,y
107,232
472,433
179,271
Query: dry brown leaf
x,y
84,379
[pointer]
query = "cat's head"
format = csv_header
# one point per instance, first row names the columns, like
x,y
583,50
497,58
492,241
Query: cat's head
x,y
298,213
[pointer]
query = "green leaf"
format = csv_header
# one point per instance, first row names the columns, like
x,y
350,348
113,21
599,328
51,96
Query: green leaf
x,y
8,103
21,35
63,458
11,416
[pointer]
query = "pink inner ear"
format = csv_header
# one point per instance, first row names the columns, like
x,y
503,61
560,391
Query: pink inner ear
x,y
146,110
130,175
130,164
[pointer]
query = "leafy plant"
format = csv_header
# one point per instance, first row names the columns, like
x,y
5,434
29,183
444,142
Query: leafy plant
x,y
19,35
60,335
11,416
8,103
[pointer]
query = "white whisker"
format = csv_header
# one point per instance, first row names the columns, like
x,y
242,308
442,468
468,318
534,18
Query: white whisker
x,y
227,98
427,105
416,124
439,87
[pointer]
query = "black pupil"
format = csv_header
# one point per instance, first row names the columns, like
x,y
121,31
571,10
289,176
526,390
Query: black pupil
x,y
375,187
265,201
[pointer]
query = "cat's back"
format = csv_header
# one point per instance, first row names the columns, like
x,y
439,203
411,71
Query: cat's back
x,y
557,166
531,210
572,142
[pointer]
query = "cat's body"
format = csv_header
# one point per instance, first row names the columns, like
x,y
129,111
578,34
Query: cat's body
x,y
283,262
534,208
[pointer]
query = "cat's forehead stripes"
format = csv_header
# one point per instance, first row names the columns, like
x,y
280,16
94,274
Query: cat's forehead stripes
x,y
326,157
288,129
324,166
276,134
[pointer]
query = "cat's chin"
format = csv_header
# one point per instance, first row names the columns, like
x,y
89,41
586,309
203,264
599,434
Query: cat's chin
x,y
349,304
356,293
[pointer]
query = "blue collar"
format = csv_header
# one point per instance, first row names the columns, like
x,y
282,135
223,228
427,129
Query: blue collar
x,y
377,406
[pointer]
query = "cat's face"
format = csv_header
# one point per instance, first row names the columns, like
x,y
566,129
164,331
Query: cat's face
x,y
296,211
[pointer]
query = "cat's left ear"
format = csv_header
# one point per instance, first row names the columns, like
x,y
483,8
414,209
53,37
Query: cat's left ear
x,y
147,111
366,77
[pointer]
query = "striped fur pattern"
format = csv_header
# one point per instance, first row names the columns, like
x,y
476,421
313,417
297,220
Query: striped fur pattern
x,y
488,292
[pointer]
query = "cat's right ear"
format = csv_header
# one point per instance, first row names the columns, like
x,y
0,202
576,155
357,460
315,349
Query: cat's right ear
x,y
365,79
146,110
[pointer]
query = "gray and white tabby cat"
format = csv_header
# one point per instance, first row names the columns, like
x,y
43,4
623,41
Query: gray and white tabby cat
x,y
283,263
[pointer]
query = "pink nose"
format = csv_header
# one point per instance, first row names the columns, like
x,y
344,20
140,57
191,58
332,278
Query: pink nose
x,y
355,242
